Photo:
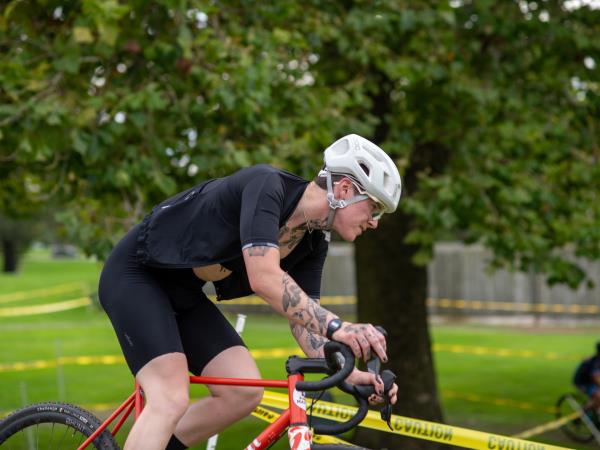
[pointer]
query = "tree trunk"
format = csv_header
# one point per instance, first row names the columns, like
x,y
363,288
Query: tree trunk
x,y
392,292
11,255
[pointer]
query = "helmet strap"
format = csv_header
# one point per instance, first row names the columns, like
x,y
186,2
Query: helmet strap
x,y
335,204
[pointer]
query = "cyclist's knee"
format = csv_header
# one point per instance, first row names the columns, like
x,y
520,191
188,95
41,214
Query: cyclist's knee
x,y
169,403
244,399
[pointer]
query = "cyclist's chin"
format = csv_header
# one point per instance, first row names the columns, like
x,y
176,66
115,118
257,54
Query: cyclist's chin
x,y
349,235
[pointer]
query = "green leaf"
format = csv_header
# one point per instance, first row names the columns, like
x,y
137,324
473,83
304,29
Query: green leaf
x,y
68,62
82,35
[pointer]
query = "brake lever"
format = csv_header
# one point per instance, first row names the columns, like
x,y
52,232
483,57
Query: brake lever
x,y
388,378
386,412
374,365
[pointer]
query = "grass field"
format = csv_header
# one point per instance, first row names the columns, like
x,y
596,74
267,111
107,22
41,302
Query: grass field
x,y
498,379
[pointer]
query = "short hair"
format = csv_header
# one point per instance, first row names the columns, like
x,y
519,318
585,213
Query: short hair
x,y
321,181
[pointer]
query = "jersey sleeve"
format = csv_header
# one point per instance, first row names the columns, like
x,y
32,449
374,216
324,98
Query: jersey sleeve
x,y
261,206
309,272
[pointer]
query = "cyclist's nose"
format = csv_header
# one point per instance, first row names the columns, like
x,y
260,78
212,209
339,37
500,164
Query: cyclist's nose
x,y
373,223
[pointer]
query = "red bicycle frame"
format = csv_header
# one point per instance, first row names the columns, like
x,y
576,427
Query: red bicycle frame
x,y
293,418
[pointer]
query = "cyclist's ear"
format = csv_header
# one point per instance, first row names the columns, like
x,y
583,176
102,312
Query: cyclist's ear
x,y
344,188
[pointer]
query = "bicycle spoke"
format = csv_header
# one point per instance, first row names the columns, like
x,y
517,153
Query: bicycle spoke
x,y
63,438
81,439
51,437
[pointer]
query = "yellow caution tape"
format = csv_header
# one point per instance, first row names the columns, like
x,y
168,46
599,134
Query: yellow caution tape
x,y
329,300
553,425
117,359
62,361
46,308
497,401
275,352
270,416
502,352
42,292
326,300
511,306
416,428
445,303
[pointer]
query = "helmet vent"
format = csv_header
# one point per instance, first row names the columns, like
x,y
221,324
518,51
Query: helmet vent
x,y
364,167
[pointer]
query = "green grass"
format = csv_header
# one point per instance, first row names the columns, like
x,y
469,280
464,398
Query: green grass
x,y
511,393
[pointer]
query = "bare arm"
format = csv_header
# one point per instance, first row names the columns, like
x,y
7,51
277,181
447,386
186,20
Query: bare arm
x,y
311,343
287,298
281,292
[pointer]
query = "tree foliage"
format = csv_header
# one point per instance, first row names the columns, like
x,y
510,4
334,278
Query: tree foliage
x,y
117,105
114,106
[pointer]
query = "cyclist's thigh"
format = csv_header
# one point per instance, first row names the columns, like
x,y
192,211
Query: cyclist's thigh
x,y
234,362
205,334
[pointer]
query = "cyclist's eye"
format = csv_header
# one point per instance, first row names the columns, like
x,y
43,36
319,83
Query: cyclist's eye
x,y
377,211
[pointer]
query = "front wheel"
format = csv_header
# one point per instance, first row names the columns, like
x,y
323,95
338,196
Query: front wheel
x,y
575,429
52,426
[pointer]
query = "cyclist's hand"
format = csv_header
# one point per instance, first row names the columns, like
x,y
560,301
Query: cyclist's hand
x,y
362,338
360,377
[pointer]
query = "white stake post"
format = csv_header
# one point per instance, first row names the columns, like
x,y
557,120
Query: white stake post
x,y
60,374
24,401
239,327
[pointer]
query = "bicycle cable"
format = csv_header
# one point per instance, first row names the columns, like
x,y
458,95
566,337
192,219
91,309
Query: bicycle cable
x,y
312,403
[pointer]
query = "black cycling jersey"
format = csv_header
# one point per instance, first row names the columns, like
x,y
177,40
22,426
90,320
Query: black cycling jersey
x,y
585,372
148,288
212,222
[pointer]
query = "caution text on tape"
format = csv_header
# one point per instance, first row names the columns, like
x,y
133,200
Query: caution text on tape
x,y
420,429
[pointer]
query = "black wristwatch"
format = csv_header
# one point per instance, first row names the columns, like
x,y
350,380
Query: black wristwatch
x,y
332,327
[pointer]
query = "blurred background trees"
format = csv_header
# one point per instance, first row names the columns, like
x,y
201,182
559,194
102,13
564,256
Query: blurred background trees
x,y
489,108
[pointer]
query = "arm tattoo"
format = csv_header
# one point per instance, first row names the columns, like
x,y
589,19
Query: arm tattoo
x,y
353,328
311,343
291,292
310,315
259,250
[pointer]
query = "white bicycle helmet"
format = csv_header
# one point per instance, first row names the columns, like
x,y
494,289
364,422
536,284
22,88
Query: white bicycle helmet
x,y
368,166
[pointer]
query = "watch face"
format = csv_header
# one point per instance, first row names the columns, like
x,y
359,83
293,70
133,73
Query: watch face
x,y
333,326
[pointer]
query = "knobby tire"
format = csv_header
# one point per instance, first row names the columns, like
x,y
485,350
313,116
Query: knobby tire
x,y
53,425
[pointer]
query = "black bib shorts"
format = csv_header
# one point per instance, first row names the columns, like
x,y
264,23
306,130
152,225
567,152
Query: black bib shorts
x,y
158,311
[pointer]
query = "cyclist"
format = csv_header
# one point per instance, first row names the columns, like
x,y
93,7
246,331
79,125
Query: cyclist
x,y
260,230
587,379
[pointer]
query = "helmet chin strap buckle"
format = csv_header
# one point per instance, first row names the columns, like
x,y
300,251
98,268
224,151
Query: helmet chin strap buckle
x,y
334,203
